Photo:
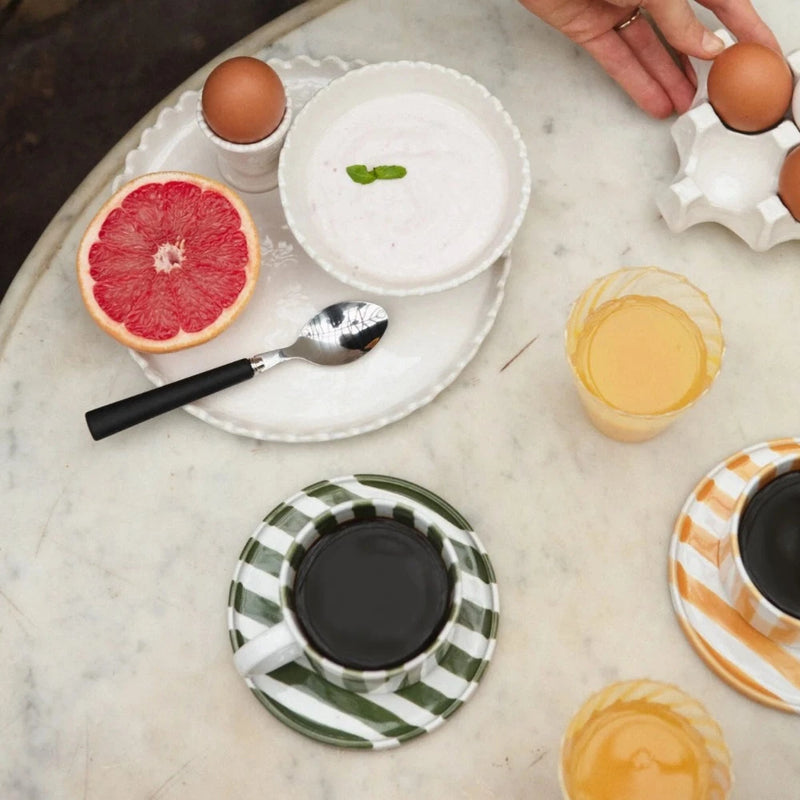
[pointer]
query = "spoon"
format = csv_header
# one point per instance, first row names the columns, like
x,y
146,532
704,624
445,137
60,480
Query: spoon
x,y
337,335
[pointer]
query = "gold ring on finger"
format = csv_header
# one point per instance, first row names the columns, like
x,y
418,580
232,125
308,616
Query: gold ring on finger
x,y
629,20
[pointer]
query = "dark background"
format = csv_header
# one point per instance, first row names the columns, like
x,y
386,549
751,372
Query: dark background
x,y
77,75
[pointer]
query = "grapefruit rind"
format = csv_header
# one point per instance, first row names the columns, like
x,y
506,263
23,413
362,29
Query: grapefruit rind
x,y
182,339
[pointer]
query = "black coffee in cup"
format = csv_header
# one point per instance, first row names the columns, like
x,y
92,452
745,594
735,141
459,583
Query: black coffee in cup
x,y
769,541
372,594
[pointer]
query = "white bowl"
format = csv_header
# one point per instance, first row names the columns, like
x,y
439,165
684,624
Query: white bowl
x,y
454,213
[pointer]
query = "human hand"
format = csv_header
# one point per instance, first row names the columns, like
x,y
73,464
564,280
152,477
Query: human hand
x,y
627,46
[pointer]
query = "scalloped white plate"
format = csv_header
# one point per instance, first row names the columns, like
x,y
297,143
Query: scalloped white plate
x,y
429,341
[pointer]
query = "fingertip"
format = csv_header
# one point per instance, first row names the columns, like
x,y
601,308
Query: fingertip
x,y
711,43
663,113
656,103
766,37
683,105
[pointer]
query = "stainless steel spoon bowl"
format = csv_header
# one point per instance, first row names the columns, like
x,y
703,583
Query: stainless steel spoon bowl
x,y
339,334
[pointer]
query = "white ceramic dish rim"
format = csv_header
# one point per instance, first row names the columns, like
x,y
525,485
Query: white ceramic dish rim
x,y
191,98
231,425
300,231
138,161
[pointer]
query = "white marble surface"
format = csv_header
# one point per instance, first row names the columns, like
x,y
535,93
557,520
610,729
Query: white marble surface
x,y
117,678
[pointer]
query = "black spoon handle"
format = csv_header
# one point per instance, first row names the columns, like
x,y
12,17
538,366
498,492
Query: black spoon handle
x,y
123,414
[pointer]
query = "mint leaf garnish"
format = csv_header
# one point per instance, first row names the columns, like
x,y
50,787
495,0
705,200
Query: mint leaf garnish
x,y
360,174
388,173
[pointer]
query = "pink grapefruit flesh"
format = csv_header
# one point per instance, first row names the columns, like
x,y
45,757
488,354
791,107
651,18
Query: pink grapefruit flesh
x,y
169,261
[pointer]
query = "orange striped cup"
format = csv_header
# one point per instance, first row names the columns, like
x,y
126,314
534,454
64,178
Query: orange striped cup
x,y
744,595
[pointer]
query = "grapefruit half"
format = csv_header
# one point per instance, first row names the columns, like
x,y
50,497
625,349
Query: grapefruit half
x,y
169,261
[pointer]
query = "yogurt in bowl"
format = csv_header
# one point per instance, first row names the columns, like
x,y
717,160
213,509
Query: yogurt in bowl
x,y
464,188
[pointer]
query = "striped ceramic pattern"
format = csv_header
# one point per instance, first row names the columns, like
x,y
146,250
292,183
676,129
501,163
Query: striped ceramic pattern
x,y
763,615
761,667
296,694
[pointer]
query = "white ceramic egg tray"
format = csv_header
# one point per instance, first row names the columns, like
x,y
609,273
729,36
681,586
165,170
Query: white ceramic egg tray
x,y
728,177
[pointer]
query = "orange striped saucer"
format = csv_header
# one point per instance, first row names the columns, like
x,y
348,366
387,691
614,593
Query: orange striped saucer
x,y
761,668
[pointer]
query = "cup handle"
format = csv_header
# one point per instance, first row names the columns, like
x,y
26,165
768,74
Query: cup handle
x,y
267,651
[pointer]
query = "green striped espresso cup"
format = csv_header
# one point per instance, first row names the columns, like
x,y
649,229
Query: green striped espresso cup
x,y
369,592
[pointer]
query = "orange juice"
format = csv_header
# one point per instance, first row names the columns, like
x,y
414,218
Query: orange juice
x,y
636,750
642,355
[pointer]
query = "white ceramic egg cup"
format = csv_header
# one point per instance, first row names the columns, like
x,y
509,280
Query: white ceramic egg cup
x,y
249,167
728,177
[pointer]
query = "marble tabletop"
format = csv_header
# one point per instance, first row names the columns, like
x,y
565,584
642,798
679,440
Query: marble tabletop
x,y
116,556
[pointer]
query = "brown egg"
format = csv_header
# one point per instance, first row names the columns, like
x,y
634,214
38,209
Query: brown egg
x,y
243,100
789,183
750,87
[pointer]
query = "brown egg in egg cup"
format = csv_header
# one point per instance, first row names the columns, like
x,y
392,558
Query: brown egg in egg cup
x,y
245,113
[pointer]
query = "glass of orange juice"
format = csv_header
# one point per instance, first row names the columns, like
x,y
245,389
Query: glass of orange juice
x,y
644,345
644,740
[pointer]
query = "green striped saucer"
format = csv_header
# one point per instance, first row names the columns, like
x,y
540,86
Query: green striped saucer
x,y
299,696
